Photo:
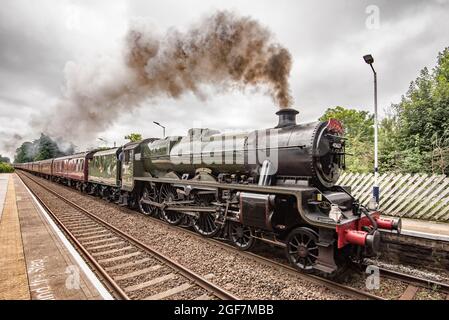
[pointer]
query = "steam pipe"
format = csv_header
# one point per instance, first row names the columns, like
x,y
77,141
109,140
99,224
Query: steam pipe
x,y
287,117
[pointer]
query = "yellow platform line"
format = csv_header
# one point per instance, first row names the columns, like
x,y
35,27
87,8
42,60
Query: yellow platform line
x,y
13,272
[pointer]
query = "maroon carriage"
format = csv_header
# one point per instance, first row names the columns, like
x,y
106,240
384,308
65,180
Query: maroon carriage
x,y
34,167
45,167
73,169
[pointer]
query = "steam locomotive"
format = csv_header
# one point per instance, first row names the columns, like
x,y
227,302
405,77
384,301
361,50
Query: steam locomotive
x,y
276,185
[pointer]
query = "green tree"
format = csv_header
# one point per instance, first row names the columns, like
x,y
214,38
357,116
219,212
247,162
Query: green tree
x,y
389,154
46,148
5,167
359,131
422,119
41,149
25,153
4,159
134,137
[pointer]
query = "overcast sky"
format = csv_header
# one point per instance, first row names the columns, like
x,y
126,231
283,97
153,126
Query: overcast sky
x,y
327,40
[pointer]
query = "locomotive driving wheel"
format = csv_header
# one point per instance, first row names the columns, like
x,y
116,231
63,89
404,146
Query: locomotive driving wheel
x,y
169,194
241,236
302,249
149,193
204,224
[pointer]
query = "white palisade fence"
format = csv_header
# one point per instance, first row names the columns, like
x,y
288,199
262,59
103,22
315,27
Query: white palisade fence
x,y
404,195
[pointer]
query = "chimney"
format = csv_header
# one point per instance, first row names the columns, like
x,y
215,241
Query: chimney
x,y
287,117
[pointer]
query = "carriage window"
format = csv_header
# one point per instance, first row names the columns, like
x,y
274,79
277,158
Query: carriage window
x,y
126,156
82,165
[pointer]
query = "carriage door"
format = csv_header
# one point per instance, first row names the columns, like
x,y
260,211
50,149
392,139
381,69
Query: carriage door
x,y
128,170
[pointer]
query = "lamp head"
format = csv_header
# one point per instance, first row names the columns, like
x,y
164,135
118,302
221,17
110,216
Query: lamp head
x,y
368,59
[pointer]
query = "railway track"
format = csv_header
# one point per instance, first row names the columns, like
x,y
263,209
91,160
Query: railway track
x,y
413,283
130,269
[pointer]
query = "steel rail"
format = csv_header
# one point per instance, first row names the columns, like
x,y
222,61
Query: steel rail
x,y
197,279
411,279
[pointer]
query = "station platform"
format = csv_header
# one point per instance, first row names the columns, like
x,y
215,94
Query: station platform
x,y
426,229
36,261
3,187
430,230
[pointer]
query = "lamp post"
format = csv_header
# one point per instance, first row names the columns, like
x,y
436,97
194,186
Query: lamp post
x,y
376,191
163,128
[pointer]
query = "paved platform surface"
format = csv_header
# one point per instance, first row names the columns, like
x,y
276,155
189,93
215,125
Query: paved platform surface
x,y
4,177
13,270
426,229
39,265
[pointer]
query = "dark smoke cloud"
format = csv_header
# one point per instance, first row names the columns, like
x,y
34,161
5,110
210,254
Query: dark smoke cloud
x,y
223,50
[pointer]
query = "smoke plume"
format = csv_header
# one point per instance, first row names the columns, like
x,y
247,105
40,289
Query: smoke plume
x,y
224,50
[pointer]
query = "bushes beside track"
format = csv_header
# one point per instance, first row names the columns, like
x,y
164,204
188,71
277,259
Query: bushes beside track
x,y
6,167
